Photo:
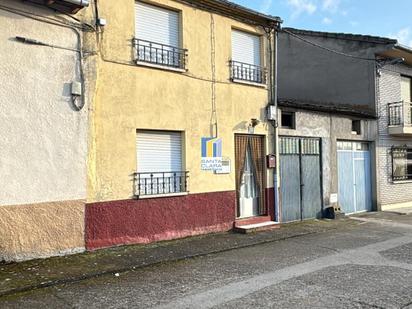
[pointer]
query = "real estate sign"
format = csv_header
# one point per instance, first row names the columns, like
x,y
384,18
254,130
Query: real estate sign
x,y
211,154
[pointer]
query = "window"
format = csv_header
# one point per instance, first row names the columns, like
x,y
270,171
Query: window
x,y
356,127
401,163
406,89
246,58
353,146
288,120
158,36
159,163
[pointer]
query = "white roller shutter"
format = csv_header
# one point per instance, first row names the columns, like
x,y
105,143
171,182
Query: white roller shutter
x,y
406,85
245,47
157,24
159,151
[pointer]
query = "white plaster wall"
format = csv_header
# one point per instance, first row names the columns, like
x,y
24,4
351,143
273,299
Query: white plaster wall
x,y
43,139
330,128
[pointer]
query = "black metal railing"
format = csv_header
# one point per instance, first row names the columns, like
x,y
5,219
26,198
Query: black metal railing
x,y
400,114
160,54
158,183
247,72
401,163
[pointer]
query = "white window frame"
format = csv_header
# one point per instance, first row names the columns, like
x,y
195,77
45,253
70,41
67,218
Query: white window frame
x,y
152,181
249,69
158,53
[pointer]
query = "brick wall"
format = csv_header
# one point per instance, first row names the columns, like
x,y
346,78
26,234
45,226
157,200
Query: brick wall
x,y
389,90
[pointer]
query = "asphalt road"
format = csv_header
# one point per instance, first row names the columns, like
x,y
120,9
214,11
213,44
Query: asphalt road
x,y
360,266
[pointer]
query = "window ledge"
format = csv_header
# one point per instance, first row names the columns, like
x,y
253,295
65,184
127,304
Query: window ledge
x,y
244,82
145,197
397,182
160,67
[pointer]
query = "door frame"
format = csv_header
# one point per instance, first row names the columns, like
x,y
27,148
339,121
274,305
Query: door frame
x,y
264,180
371,168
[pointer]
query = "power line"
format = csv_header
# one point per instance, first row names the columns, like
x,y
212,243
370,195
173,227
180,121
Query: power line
x,y
213,117
326,48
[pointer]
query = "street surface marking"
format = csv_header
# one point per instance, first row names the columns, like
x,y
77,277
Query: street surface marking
x,y
366,255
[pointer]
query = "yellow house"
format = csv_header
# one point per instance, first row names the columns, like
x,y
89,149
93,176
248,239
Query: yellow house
x,y
179,137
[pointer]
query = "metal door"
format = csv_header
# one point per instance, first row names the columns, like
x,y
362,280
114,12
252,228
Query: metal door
x,y
300,178
354,176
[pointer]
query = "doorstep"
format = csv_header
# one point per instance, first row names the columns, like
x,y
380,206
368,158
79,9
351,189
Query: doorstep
x,y
255,224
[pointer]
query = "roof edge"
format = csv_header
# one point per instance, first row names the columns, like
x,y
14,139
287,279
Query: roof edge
x,y
403,48
344,36
341,109
231,9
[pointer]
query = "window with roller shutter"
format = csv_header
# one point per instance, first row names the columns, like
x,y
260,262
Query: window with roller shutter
x,y
159,163
157,36
246,58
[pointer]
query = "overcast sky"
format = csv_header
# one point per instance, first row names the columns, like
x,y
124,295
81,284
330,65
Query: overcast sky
x,y
375,17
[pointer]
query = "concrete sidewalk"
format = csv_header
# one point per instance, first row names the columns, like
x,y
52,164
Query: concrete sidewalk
x,y
30,275
401,211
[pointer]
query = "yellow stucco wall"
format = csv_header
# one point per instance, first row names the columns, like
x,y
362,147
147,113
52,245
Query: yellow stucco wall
x,y
131,97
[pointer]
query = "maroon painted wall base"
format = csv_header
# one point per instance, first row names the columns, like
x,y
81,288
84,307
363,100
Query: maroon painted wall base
x,y
148,220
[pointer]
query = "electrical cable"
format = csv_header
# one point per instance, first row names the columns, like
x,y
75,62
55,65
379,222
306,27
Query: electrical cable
x,y
40,18
39,43
64,13
326,48
213,117
75,28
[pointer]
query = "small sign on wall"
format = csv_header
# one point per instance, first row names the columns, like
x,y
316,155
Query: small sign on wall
x,y
226,167
333,199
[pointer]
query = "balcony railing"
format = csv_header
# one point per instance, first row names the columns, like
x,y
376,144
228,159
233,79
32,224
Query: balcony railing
x,y
158,183
400,114
160,54
247,72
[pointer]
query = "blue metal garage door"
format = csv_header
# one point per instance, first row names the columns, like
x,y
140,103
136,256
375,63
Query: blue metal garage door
x,y
300,178
354,171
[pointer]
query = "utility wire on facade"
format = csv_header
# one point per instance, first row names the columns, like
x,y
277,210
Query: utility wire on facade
x,y
76,28
48,20
213,118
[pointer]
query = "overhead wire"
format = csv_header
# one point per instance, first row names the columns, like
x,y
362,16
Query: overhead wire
x,y
76,28
37,17
326,48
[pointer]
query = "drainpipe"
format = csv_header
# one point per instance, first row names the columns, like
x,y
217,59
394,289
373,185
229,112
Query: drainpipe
x,y
82,3
276,178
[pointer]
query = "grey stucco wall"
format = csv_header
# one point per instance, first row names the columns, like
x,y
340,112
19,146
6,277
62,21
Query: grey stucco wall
x,y
43,138
330,128
389,90
308,73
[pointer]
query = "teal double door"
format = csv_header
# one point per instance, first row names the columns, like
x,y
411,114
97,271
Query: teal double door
x,y
354,176
300,178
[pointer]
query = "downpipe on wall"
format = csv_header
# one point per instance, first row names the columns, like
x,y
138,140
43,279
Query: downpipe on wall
x,y
276,184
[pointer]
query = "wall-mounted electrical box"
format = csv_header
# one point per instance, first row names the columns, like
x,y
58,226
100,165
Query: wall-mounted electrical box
x,y
271,112
101,22
271,161
76,89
